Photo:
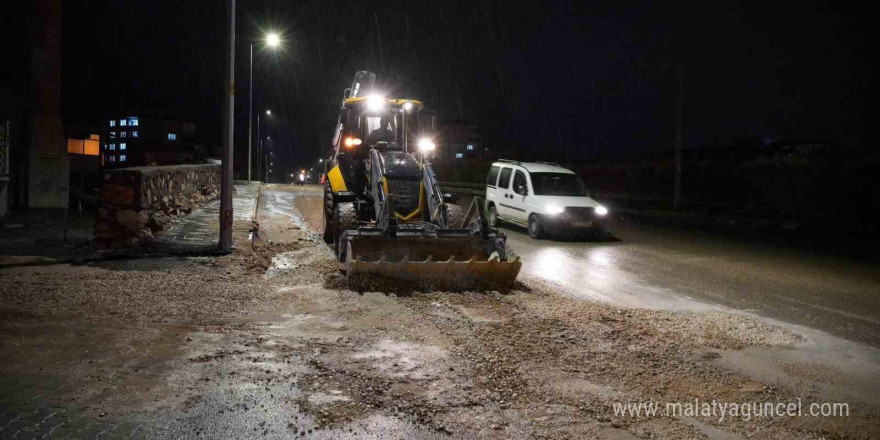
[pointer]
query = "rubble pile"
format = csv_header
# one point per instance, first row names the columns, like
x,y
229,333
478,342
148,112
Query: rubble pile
x,y
137,202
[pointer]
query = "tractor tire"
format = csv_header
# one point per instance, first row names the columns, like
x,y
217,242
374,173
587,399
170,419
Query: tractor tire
x,y
454,216
492,216
536,231
328,214
344,218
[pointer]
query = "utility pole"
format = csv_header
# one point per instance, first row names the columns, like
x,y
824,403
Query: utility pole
x,y
259,149
226,154
251,114
676,203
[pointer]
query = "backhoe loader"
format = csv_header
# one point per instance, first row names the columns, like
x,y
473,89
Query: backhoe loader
x,y
384,212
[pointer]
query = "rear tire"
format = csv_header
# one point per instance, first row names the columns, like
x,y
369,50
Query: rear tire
x,y
536,231
328,214
344,218
492,215
454,216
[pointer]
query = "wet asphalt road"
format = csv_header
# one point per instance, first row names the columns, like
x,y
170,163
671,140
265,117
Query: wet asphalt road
x,y
654,267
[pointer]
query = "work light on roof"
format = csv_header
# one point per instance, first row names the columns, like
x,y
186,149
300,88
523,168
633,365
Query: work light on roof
x,y
375,103
425,145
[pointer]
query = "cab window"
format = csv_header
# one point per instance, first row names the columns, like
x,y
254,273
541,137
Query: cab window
x,y
493,176
519,183
504,181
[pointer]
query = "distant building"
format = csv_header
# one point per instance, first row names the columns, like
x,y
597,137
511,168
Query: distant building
x,y
137,141
84,150
460,142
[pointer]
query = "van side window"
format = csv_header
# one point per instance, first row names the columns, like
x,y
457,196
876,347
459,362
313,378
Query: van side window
x,y
504,182
519,183
493,176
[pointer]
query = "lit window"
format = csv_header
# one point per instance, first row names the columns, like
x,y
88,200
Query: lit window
x,y
122,158
112,158
134,134
172,136
113,134
112,147
113,123
133,121
123,134
459,155
470,147
75,146
122,122
122,146
90,147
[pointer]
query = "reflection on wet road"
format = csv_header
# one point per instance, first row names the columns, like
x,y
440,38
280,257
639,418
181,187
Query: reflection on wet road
x,y
673,269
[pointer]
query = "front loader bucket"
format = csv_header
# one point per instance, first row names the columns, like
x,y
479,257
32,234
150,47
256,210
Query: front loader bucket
x,y
460,260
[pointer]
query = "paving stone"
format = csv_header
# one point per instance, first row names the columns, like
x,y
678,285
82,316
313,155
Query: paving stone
x,y
13,428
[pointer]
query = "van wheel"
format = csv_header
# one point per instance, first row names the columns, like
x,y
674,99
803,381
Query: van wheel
x,y
535,229
492,215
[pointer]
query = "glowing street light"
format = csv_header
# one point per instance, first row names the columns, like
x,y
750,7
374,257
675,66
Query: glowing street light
x,y
273,40
268,112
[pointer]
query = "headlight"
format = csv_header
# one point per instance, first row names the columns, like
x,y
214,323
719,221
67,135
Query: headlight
x,y
407,106
555,209
375,103
601,210
426,146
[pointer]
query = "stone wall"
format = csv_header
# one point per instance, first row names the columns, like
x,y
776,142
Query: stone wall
x,y
137,202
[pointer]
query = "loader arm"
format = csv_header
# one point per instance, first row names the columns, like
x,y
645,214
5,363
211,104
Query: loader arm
x,y
383,204
436,207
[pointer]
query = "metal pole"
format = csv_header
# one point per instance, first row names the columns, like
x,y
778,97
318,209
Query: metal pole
x,y
226,154
259,149
251,114
676,203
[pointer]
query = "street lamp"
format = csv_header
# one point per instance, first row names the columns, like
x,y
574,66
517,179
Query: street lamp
x,y
260,152
273,41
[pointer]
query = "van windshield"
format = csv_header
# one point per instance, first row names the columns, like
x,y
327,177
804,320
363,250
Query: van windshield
x,y
558,184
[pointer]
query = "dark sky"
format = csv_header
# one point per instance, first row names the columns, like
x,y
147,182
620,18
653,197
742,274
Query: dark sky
x,y
573,79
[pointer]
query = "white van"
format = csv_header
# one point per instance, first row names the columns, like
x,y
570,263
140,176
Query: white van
x,y
542,196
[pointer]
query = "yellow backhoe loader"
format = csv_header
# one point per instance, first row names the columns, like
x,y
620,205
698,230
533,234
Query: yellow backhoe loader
x,y
384,212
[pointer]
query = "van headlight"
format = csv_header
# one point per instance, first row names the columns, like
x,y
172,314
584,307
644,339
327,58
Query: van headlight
x,y
601,210
555,209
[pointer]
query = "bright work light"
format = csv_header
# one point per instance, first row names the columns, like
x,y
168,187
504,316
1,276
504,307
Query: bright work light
x,y
375,103
426,145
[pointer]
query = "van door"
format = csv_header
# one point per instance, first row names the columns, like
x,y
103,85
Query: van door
x,y
503,193
520,193
492,185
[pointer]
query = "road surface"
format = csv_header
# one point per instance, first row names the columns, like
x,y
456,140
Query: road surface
x,y
653,267
272,341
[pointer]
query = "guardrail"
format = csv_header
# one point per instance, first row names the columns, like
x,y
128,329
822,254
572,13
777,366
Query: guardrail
x,y
633,203
473,189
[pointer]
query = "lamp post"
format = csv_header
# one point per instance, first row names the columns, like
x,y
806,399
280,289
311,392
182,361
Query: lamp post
x,y
260,151
226,151
272,41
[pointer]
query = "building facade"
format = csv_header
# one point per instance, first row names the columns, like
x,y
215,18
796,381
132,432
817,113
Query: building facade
x,y
137,141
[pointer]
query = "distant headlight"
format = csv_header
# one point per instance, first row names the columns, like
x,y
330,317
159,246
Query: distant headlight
x,y
554,209
601,210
